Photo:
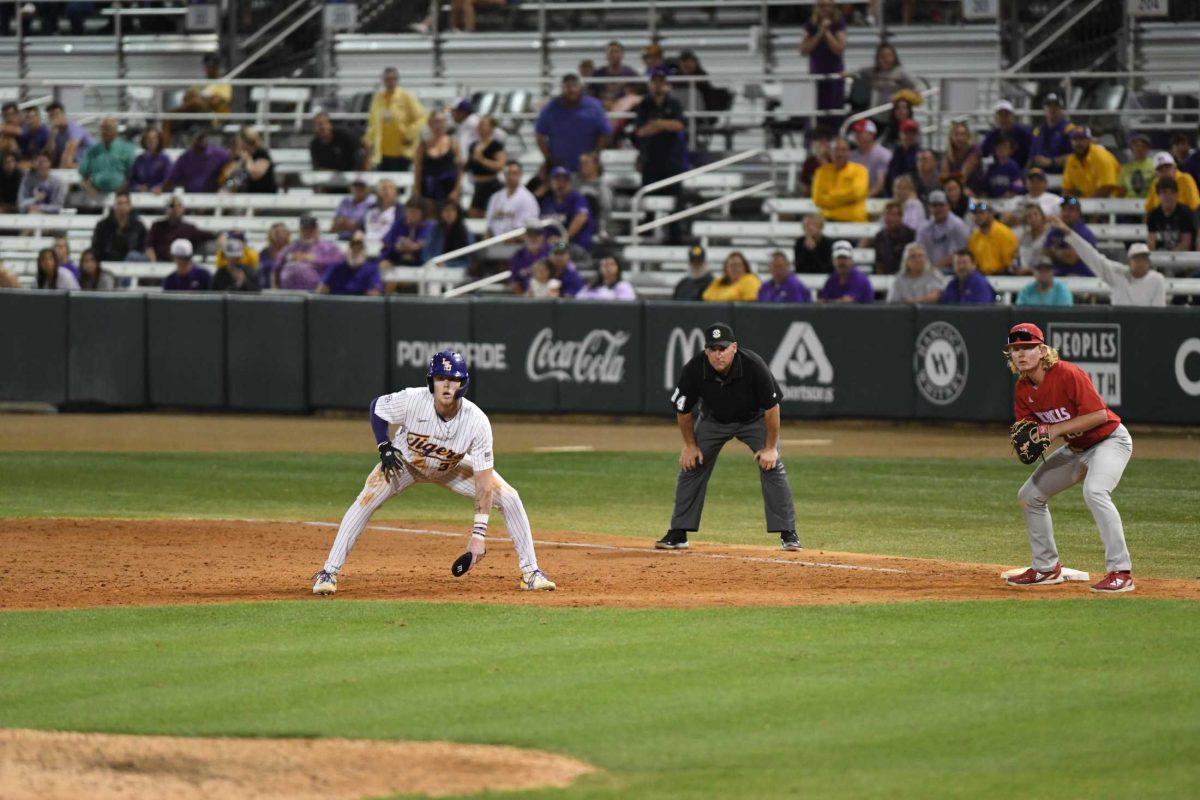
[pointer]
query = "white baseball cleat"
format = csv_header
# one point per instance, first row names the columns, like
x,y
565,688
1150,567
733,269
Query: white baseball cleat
x,y
535,581
326,583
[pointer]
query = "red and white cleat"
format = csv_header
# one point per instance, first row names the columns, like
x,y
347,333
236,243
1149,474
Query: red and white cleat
x,y
1032,577
1115,582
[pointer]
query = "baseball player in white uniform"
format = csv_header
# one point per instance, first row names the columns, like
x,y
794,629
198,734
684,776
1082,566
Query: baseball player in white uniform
x,y
433,434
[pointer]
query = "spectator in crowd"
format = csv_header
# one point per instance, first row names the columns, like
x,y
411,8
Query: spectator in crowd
x,y
41,192
52,276
462,13
121,235
1133,285
846,284
8,279
278,238
968,285
658,131
785,285
187,277
1032,244
1187,158
304,262
356,274
905,155
352,210
957,197
881,80
200,167
92,275
542,283
35,136
485,161
609,284
535,248
1020,136
512,206
917,281
1003,177
891,240
437,171
1035,184
10,183
913,209
1172,225
212,96
903,103
944,234
736,283
692,287
962,159
1044,289
152,166
68,140
841,187
570,209
1164,167
563,270
466,127
570,125
820,153
382,216
592,186
405,242
106,165
237,266
171,227
1091,171
1137,173
332,147
993,245
254,171
874,157
62,249
813,252
653,58
700,95
1051,138
10,128
824,43
1066,258
608,92
449,233
394,124
929,176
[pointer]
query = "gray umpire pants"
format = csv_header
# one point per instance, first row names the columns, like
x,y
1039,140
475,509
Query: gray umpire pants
x,y
692,484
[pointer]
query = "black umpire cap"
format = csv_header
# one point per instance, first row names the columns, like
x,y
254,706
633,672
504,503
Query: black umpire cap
x,y
719,334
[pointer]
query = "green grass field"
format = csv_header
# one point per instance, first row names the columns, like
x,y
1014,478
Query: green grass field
x,y
992,699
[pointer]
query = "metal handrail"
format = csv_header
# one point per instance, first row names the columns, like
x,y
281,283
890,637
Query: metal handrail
x,y
692,211
467,288
474,247
879,109
285,14
269,46
1052,38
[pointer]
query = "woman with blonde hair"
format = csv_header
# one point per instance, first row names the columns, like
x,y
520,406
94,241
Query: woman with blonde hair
x,y
962,159
917,281
737,283
252,171
1033,238
437,167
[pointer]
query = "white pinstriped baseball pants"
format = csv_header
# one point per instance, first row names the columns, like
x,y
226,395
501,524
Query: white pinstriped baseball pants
x,y
378,490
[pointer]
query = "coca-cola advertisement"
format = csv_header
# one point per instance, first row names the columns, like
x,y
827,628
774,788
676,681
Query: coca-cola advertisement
x,y
597,358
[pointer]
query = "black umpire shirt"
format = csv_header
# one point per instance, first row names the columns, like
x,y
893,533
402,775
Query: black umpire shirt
x,y
741,396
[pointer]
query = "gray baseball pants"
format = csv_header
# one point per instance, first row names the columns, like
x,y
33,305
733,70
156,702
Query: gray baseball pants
x,y
1100,468
691,485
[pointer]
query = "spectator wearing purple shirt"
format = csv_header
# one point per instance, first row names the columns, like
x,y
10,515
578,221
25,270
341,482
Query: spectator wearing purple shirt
x,y
875,157
904,155
570,208
198,169
40,192
1066,260
351,212
522,261
62,251
357,274
186,277
824,43
785,285
1007,125
570,125
34,135
303,263
278,238
1004,177
614,67
968,284
406,241
1052,138
846,283
1187,158
563,269
610,283
152,166
171,227
68,140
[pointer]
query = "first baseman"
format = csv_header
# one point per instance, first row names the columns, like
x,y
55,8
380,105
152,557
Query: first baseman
x,y
432,434
1062,400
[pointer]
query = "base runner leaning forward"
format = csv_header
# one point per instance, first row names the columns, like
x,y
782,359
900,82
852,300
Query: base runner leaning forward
x,y
739,399
1054,398
432,434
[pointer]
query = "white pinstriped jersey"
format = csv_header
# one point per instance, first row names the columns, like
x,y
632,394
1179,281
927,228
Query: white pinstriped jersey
x,y
432,446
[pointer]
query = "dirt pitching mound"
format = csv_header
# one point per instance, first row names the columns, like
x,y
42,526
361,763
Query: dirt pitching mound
x,y
74,563
45,765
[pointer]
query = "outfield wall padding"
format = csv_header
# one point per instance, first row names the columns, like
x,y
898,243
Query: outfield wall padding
x,y
266,353
185,350
106,348
33,347
347,352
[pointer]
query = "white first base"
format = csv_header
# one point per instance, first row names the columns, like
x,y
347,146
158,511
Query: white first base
x,y
1067,573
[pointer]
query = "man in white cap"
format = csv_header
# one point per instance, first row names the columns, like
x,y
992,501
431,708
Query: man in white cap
x,y
187,277
1164,167
846,284
875,157
1133,285
1007,125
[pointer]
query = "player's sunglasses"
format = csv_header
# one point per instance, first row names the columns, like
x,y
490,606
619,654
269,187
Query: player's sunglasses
x,y
1020,336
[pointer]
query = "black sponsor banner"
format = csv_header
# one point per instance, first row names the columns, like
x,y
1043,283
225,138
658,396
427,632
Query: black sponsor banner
x,y
347,351
106,359
834,361
265,346
513,325
593,354
33,357
185,350
419,328
957,363
1160,365
674,332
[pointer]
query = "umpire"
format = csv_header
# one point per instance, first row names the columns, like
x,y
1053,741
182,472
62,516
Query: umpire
x,y
739,399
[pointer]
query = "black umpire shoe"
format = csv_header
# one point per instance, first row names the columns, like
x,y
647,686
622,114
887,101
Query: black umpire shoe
x,y
789,540
674,540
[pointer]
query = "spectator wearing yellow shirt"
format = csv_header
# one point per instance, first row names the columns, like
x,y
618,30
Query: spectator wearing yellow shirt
x,y
992,243
394,125
737,283
840,187
212,95
1091,170
1164,167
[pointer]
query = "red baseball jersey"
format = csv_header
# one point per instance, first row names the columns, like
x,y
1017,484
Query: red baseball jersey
x,y
1065,393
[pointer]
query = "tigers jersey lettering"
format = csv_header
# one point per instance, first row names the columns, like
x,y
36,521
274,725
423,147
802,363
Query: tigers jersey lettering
x,y
434,446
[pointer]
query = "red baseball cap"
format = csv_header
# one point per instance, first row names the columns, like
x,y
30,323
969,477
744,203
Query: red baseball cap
x,y
1025,333
909,125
